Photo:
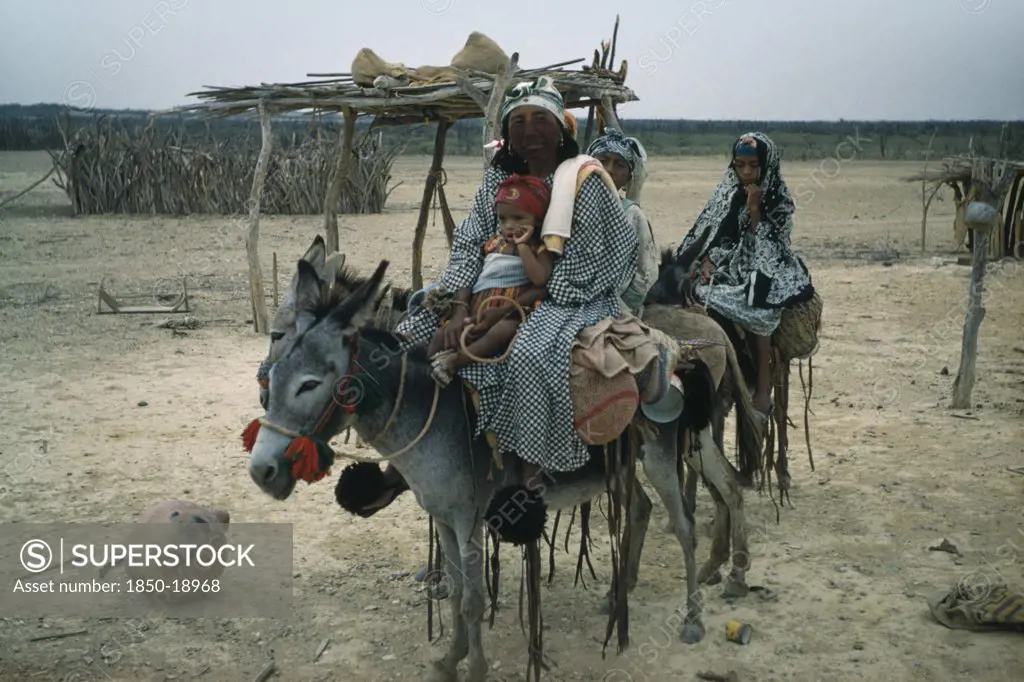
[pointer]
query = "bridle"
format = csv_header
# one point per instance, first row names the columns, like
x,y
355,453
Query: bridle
x,y
310,454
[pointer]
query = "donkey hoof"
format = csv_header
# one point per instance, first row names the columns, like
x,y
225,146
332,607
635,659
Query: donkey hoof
x,y
692,633
477,671
440,673
785,482
735,589
709,576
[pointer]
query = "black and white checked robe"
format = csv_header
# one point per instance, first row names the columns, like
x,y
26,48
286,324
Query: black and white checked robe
x,y
525,400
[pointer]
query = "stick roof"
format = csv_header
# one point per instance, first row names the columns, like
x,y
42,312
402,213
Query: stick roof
x,y
409,104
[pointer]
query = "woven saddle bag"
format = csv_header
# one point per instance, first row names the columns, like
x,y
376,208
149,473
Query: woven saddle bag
x,y
797,334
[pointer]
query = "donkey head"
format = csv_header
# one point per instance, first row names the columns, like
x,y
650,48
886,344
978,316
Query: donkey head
x,y
282,329
673,285
310,379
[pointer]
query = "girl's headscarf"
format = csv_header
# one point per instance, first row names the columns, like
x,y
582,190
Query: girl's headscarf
x,y
628,148
778,205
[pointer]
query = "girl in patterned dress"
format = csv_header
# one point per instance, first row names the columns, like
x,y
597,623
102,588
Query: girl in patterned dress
x,y
517,264
738,252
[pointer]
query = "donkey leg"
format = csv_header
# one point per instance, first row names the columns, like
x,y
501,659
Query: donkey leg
x,y
660,468
472,602
641,517
719,474
443,670
719,541
689,495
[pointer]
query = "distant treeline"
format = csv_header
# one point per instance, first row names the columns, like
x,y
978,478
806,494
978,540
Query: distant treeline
x,y
35,127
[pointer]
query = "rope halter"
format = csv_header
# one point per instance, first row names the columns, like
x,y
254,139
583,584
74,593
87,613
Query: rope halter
x,y
310,454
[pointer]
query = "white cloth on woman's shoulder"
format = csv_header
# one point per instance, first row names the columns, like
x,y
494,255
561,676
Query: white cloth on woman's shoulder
x,y
525,400
558,220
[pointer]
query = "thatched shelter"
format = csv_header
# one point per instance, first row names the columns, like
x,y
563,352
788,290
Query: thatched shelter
x,y
959,173
401,96
987,185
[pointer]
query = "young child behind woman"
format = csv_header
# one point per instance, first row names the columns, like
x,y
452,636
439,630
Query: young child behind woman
x,y
516,265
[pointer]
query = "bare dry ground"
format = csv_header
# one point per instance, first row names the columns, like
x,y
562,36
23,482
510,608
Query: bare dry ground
x,y
849,563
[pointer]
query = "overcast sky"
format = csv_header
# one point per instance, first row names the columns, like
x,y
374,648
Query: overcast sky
x,y
713,59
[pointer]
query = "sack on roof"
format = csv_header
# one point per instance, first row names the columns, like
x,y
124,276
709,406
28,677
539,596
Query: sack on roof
x,y
480,53
368,65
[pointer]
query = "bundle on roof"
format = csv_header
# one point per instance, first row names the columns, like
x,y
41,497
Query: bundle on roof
x,y
480,53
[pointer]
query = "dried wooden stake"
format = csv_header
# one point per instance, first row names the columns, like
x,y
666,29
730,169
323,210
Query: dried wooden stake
x,y
321,649
269,669
259,303
57,635
730,676
275,279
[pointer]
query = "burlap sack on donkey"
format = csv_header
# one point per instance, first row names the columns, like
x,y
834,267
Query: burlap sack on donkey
x,y
603,407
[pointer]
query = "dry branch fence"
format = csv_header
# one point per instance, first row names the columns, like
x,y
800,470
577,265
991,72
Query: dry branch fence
x,y
106,167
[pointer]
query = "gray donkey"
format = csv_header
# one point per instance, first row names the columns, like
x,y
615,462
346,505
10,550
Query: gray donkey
x,y
430,442
367,494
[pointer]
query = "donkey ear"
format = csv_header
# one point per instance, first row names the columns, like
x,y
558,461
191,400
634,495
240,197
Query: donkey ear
x,y
316,253
331,267
361,305
308,295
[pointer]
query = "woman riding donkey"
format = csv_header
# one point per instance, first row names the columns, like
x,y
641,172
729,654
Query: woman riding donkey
x,y
525,401
624,158
738,252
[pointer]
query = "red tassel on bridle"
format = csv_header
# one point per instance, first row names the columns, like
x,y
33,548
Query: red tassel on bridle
x,y
311,458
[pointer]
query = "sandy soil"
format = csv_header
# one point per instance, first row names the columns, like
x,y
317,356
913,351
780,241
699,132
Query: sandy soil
x,y
895,472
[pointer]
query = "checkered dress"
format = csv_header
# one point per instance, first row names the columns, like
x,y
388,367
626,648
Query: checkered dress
x,y
525,400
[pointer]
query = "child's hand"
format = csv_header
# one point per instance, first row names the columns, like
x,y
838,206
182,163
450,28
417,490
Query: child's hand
x,y
525,232
753,198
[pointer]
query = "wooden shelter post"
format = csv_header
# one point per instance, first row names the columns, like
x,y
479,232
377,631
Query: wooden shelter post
x,y
492,112
981,217
433,177
259,302
332,202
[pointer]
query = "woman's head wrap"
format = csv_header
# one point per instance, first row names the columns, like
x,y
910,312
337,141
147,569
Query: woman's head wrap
x,y
540,93
526,192
614,142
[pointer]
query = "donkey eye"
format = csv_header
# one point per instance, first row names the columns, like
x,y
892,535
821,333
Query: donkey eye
x,y
308,385
276,336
